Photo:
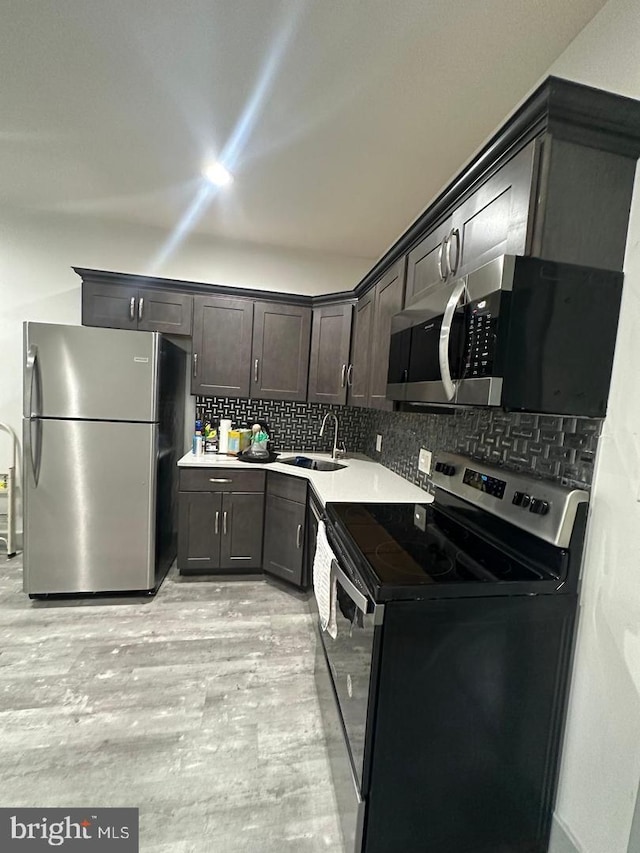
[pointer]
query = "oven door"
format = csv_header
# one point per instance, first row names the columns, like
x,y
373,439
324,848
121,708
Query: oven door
x,y
350,658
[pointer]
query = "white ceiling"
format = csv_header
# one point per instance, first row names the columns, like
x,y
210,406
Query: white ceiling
x,y
341,119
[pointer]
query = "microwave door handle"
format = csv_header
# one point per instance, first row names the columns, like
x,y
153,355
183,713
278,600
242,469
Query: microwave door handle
x,y
445,334
361,601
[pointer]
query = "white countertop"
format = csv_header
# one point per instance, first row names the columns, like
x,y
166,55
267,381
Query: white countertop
x,y
361,481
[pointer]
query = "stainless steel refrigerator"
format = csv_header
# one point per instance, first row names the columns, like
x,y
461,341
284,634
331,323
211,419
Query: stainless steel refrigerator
x,y
102,429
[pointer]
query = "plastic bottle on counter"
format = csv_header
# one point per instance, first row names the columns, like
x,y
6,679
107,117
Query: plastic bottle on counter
x,y
223,436
198,442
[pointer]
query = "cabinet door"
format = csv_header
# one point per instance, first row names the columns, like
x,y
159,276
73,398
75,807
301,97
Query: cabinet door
x,y
330,340
164,311
284,538
389,299
199,526
110,306
494,220
426,263
242,526
280,359
361,351
222,330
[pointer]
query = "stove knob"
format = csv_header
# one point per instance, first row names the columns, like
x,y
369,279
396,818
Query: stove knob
x,y
521,499
449,470
539,507
439,467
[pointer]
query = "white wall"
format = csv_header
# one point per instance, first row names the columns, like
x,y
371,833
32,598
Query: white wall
x,y
37,282
601,763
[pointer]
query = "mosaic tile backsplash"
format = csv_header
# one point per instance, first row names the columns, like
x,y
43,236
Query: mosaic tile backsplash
x,y
555,448
293,426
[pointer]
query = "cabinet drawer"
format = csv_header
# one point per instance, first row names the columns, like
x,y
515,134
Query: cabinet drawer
x,y
220,480
284,486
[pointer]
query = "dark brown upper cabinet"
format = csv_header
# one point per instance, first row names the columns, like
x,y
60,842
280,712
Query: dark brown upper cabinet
x,y
280,353
221,357
389,297
167,312
359,368
427,263
120,307
492,221
330,343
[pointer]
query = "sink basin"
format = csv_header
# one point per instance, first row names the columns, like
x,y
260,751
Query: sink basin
x,y
312,464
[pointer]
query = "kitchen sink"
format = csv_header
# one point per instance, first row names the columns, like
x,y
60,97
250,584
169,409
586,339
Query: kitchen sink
x,y
312,464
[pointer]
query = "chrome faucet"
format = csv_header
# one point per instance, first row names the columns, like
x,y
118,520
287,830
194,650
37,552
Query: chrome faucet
x,y
335,453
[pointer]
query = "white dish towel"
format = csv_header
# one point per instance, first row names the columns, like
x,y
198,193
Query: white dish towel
x,y
324,582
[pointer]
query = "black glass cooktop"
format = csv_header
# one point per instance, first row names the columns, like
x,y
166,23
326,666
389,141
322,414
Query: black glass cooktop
x,y
398,552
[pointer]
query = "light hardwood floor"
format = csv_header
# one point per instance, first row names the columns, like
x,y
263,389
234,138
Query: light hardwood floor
x,y
198,707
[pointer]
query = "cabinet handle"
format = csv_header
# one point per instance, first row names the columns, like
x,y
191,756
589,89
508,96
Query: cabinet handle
x,y
224,522
132,308
216,527
195,364
442,256
343,375
140,307
255,369
219,480
299,536
350,376
453,269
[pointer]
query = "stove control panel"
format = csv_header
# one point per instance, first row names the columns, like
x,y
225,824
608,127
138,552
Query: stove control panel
x,y
484,483
542,507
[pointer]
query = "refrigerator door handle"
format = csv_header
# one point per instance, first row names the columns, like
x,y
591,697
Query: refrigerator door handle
x,y
30,375
31,452
132,308
140,307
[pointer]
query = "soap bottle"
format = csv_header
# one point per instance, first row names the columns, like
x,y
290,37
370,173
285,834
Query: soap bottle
x,y
198,443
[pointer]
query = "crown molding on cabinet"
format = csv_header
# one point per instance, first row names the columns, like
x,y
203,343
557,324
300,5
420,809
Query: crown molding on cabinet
x,y
560,109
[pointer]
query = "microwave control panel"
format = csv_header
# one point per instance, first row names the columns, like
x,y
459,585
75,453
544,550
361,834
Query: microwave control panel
x,y
482,324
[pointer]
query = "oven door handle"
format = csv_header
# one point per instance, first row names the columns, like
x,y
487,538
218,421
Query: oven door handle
x,y
359,599
445,334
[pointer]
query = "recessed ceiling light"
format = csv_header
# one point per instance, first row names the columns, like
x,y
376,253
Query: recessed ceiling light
x,y
216,174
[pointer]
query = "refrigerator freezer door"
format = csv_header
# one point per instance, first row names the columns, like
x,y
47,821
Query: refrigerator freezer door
x,y
89,497
85,373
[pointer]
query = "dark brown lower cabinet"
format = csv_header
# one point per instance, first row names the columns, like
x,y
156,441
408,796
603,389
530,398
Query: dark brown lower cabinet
x,y
242,528
284,539
225,531
198,533
220,530
284,527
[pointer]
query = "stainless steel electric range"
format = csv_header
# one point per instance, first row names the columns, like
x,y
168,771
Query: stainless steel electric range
x,y
444,692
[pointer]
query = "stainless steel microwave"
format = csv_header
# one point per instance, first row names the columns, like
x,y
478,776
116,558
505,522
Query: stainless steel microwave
x,y
522,333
